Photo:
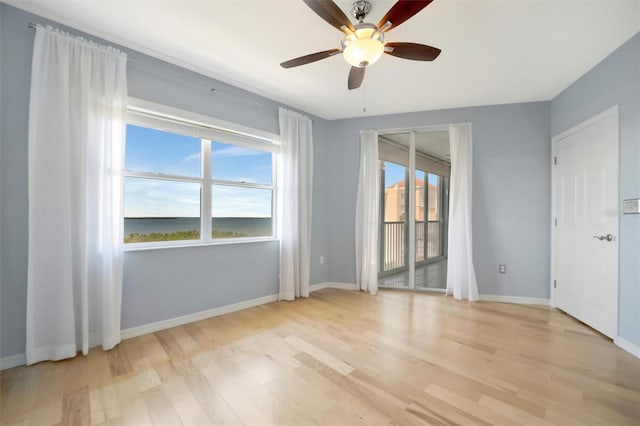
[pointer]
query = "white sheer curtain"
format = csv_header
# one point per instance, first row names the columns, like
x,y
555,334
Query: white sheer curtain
x,y
461,276
76,156
367,211
296,185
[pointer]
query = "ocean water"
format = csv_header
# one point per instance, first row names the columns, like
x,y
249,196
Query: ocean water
x,y
248,226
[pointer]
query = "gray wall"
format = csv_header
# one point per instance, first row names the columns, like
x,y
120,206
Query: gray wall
x,y
511,189
158,284
615,81
511,175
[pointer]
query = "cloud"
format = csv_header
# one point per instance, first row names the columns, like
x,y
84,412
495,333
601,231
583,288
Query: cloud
x,y
158,198
192,157
236,151
241,202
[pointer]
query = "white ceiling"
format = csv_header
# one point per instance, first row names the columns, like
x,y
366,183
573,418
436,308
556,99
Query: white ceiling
x,y
493,51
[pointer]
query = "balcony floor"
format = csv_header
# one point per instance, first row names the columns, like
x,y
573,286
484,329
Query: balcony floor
x,y
429,276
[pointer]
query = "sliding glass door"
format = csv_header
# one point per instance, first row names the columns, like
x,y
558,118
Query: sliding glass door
x,y
413,212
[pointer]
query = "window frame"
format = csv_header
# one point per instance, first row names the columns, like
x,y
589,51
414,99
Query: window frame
x,y
208,130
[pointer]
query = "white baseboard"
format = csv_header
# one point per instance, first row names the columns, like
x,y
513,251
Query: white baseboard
x,y
316,287
327,284
514,299
197,316
342,286
13,361
632,348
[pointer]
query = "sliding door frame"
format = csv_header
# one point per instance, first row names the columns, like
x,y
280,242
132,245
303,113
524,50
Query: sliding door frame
x,y
410,215
410,241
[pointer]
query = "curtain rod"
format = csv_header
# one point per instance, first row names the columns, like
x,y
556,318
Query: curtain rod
x,y
188,80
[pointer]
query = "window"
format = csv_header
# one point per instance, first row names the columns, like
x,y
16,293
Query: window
x,y
242,193
178,173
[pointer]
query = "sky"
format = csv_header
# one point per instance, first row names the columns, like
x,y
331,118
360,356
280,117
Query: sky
x,y
155,151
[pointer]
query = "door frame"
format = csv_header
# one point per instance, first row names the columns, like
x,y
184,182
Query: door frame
x,y
410,244
613,111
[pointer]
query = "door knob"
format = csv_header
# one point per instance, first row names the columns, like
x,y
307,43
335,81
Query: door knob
x,y
607,237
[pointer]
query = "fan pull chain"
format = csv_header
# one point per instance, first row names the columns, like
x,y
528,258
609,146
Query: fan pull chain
x,y
364,93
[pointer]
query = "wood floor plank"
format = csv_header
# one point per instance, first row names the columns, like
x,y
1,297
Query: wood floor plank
x,y
515,413
98,366
160,407
341,414
146,375
19,399
76,408
471,407
328,359
378,399
277,409
628,394
118,359
104,404
17,421
47,412
186,405
342,358
306,399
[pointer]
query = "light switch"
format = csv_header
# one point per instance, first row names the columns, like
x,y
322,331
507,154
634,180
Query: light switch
x,y
631,206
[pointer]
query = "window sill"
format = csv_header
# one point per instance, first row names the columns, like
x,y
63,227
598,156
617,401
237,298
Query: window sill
x,y
182,244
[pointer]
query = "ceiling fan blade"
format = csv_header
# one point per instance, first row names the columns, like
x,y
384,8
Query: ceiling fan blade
x,y
413,51
307,59
401,11
331,13
356,75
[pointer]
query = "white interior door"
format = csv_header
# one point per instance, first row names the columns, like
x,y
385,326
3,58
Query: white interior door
x,y
585,193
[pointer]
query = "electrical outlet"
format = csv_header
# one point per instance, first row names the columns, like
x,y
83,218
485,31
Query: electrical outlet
x,y
322,260
502,269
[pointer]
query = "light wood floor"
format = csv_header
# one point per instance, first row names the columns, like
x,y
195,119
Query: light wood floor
x,y
343,358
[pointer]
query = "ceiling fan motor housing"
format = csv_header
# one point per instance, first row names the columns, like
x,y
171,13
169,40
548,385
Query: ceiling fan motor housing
x,y
360,9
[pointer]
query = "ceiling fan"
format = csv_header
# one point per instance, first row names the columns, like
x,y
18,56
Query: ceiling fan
x,y
363,43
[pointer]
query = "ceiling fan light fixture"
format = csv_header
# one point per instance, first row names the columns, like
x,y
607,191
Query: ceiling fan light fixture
x,y
364,46
363,43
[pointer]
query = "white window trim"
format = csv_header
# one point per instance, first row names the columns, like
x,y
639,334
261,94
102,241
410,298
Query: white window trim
x,y
204,127
155,116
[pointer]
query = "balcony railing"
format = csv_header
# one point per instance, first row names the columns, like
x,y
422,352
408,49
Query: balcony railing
x,y
433,240
395,248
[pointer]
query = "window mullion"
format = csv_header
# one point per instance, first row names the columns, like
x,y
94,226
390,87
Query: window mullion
x,y
205,208
161,176
241,184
